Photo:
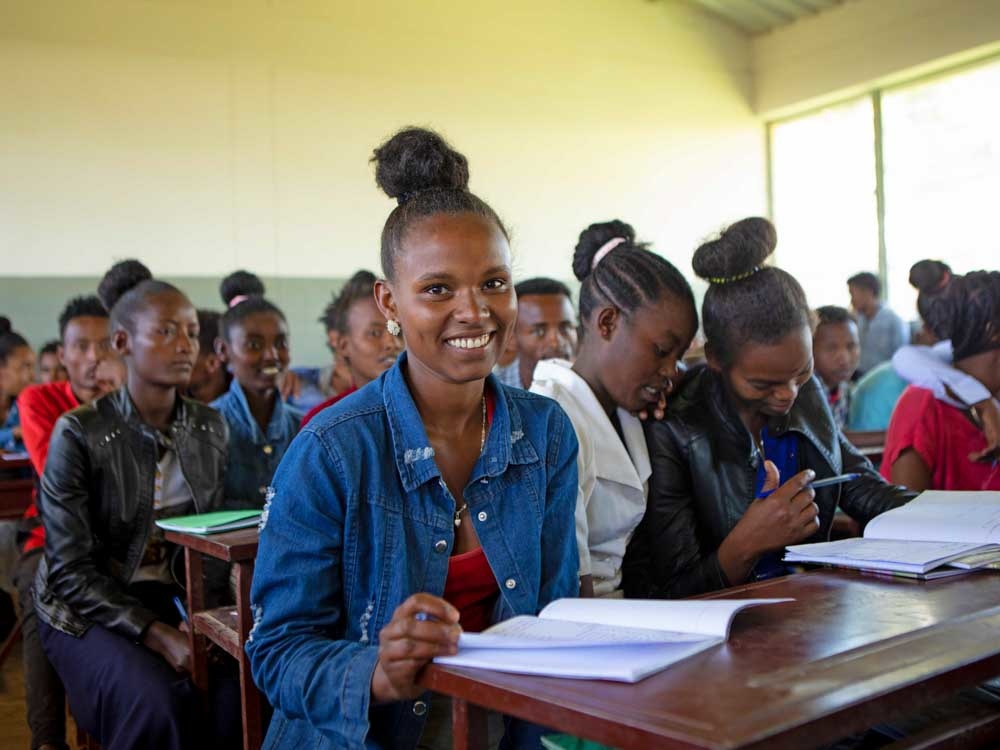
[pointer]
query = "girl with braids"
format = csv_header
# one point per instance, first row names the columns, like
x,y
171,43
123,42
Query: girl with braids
x,y
932,444
253,344
638,318
753,421
433,500
363,343
17,371
105,586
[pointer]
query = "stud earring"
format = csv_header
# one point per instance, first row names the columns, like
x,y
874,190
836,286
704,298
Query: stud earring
x,y
392,326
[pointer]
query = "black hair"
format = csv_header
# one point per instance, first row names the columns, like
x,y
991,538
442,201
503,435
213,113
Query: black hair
x,y
831,314
251,288
628,276
963,308
10,340
426,176
208,330
78,307
747,301
49,347
541,285
866,280
360,286
125,288
240,283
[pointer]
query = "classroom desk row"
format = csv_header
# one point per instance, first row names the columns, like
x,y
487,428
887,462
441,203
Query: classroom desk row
x,y
850,651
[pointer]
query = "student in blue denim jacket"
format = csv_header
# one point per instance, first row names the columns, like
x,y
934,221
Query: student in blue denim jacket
x,y
392,503
253,343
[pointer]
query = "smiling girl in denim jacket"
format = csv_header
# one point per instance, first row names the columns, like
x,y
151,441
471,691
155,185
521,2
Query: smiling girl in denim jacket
x,y
433,491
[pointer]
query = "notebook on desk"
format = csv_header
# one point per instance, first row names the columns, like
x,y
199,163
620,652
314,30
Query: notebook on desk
x,y
211,523
601,639
937,534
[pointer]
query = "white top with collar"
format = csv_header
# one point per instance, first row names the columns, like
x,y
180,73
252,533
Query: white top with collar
x,y
613,477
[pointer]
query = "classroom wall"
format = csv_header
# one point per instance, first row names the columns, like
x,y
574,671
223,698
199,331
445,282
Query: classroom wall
x,y
206,135
865,43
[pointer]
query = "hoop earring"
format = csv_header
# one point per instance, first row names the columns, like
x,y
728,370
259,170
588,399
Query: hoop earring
x,y
392,326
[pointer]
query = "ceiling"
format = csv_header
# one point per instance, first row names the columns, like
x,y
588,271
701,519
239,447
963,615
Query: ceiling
x,y
759,16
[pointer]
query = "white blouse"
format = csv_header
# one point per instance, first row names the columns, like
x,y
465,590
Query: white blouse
x,y
613,477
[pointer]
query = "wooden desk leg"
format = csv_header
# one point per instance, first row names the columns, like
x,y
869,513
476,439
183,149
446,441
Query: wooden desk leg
x,y
196,603
468,726
250,698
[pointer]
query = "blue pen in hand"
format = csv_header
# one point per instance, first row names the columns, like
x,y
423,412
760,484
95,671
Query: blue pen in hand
x,y
820,483
180,608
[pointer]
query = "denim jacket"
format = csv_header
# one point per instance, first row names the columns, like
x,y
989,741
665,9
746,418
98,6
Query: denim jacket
x,y
359,519
253,456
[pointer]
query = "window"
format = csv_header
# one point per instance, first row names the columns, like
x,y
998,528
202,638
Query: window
x,y
940,145
942,176
823,186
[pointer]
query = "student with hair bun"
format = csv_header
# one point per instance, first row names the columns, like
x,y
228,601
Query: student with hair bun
x,y
433,500
17,372
931,443
105,586
638,318
363,343
253,344
754,420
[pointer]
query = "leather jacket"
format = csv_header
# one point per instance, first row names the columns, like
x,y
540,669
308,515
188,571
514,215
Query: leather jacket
x,y
704,463
96,504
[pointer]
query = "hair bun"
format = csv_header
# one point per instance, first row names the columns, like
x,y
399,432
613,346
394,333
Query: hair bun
x,y
417,159
240,284
120,278
593,238
928,276
741,248
5,325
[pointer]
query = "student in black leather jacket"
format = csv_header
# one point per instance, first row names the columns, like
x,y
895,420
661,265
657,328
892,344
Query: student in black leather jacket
x,y
104,590
753,420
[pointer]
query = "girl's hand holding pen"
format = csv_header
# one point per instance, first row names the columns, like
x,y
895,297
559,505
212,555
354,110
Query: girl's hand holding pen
x,y
422,627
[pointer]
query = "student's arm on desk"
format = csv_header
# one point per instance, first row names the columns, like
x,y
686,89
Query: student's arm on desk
x,y
304,672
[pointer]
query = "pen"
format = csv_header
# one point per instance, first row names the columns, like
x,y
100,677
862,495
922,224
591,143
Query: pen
x,y
839,479
180,608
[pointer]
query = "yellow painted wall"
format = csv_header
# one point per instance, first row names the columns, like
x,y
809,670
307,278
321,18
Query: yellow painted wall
x,y
202,135
865,43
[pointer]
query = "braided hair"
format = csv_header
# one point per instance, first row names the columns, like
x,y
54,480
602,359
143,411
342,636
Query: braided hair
x,y
426,176
747,301
626,274
962,308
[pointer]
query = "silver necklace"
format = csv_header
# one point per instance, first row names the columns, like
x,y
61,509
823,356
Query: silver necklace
x,y
482,444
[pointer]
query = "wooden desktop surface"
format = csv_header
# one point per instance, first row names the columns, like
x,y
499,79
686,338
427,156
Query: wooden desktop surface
x,y
851,651
16,486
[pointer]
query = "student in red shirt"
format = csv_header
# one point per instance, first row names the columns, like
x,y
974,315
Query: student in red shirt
x,y
362,339
932,444
84,348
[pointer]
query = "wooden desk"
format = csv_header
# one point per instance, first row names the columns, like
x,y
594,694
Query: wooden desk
x,y
16,486
870,443
852,651
221,626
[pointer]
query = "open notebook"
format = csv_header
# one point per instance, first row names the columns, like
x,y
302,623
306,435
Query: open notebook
x,y
601,639
934,532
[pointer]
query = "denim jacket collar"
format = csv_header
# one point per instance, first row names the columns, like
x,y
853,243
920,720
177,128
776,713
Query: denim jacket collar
x,y
275,426
505,443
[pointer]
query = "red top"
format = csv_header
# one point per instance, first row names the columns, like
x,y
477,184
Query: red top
x,y
943,437
329,402
471,587
40,406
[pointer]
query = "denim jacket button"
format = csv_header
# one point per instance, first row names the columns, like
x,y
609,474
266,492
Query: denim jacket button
x,y
482,515
510,583
419,708
267,450
262,490
440,546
